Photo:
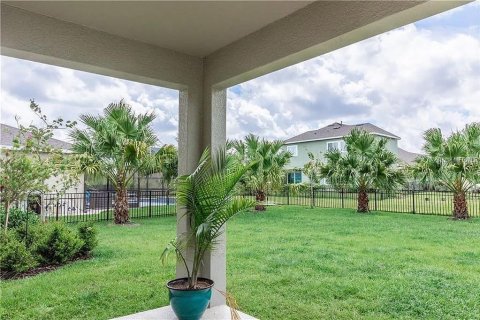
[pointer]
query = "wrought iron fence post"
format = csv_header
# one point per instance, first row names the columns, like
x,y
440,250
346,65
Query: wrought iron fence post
x,y
413,201
108,205
42,209
56,213
150,203
139,194
343,198
288,195
313,197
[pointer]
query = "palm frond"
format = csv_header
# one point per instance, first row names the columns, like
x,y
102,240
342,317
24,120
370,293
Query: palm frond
x,y
453,161
367,163
208,198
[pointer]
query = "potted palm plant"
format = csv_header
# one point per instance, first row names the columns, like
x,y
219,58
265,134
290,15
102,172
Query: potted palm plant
x,y
207,197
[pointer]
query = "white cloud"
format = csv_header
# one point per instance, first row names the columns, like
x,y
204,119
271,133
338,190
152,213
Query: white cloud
x,y
404,81
66,93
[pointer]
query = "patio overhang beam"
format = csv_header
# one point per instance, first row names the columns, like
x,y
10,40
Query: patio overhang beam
x,y
32,36
319,28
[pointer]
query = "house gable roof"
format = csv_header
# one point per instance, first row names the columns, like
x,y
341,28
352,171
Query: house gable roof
x,y
339,130
8,134
407,157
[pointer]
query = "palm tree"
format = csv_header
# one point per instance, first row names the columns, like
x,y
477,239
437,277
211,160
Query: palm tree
x,y
365,164
312,170
269,160
116,145
167,164
208,198
453,162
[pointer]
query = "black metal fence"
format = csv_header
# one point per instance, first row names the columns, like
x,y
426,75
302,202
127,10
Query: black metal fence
x,y
98,205
406,201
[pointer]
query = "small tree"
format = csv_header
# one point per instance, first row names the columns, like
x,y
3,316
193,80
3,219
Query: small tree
x,y
20,173
269,160
365,164
453,162
312,170
116,145
167,163
32,160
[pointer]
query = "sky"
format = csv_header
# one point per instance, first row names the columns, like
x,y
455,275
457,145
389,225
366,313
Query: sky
x,y
405,81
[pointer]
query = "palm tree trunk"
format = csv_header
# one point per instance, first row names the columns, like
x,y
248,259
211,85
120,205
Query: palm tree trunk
x,y
362,200
260,198
460,208
121,206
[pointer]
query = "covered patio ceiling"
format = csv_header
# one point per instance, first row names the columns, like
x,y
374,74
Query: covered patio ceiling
x,y
195,28
235,40
198,47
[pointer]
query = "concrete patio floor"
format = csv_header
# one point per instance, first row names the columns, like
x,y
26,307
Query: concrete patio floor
x,y
166,313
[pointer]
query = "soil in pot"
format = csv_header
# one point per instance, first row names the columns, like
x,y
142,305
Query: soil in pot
x,y
182,284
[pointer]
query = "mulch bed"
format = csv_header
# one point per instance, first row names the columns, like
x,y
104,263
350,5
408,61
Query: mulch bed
x,y
38,270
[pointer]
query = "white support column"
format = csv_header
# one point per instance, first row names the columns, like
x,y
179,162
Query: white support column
x,y
214,125
189,151
202,123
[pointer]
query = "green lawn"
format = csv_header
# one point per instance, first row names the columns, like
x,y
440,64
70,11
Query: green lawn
x,y
425,203
287,263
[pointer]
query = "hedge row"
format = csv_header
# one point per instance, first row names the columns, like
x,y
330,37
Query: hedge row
x,y
25,247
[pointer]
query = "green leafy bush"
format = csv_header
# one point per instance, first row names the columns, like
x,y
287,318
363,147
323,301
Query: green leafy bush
x,y
88,234
60,245
18,217
32,235
25,247
14,256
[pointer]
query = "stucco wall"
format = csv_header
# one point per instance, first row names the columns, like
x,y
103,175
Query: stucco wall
x,y
392,145
319,148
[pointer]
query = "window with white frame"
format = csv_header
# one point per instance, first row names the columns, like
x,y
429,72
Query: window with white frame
x,y
294,177
336,145
293,150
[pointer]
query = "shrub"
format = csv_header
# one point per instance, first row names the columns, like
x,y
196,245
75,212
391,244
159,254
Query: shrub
x,y
22,248
60,245
88,234
18,217
14,256
32,236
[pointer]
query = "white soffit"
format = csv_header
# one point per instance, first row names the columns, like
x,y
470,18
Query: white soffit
x,y
196,28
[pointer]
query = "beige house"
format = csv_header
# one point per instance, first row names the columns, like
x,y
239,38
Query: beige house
x,y
330,137
48,202
200,49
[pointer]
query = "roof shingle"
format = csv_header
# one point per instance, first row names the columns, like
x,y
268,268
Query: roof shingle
x,y
406,156
8,134
338,130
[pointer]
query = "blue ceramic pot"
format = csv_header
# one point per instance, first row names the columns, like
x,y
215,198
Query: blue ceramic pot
x,y
189,304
